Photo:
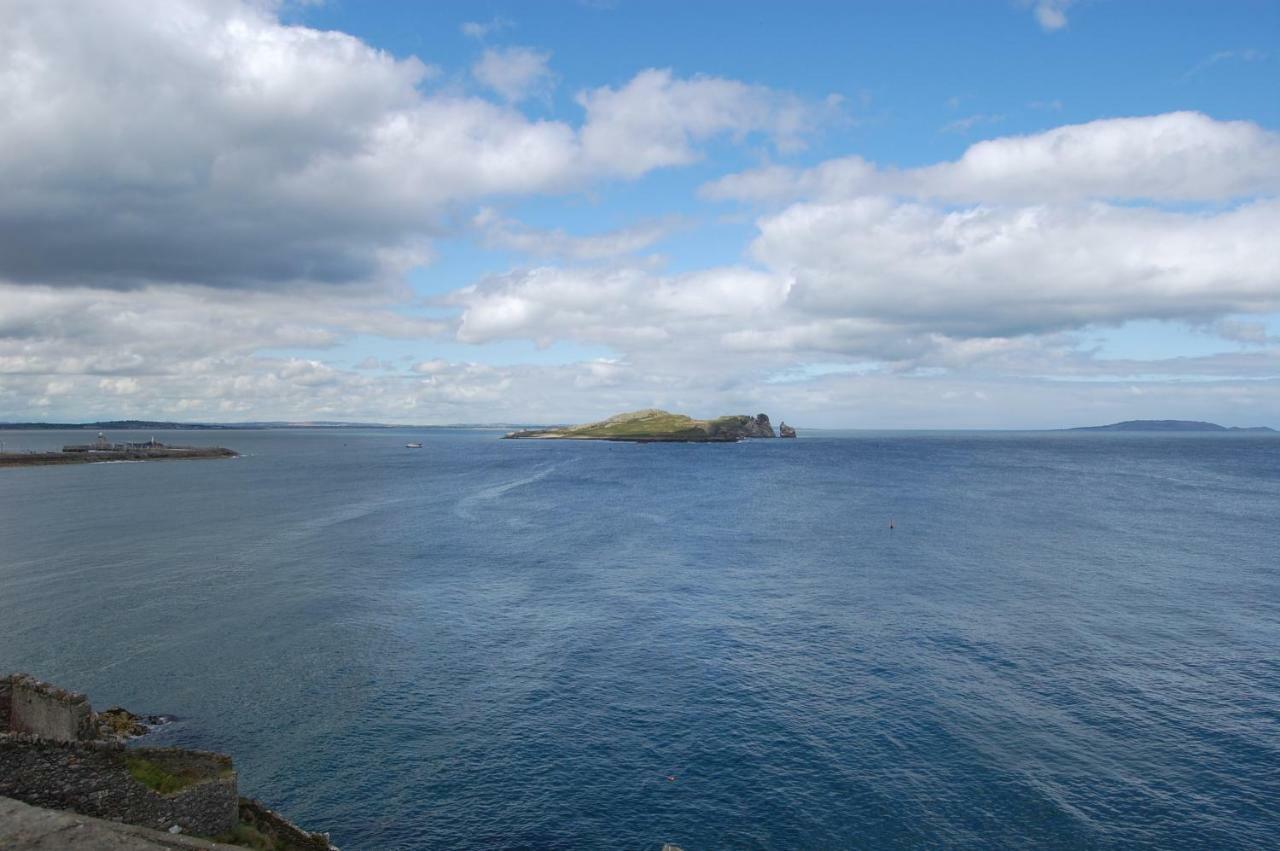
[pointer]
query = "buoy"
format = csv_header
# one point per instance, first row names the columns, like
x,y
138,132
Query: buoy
x,y
891,525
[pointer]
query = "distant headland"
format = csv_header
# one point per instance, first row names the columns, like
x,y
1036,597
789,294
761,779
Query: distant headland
x,y
655,426
1169,425
103,450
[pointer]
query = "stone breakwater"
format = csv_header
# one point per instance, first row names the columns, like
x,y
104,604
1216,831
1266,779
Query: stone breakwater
x,y
56,752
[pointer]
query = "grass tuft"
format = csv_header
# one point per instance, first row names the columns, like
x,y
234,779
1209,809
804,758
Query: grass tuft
x,y
154,777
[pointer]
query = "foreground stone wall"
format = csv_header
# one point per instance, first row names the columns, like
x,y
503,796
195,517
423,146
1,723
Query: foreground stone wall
x,y
282,832
93,778
30,706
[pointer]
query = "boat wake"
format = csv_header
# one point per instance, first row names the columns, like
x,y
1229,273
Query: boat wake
x,y
466,505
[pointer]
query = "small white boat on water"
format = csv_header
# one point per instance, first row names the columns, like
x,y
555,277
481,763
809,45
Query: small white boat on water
x,y
413,446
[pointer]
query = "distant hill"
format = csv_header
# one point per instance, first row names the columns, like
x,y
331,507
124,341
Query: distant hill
x,y
1167,425
115,425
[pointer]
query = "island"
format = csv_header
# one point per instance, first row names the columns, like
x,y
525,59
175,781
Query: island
x,y
655,426
102,450
1169,425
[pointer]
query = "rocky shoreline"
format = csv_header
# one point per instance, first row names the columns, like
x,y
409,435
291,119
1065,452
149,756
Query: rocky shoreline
x,y
58,754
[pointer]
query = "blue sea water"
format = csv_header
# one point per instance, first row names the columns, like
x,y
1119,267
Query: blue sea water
x,y
1066,640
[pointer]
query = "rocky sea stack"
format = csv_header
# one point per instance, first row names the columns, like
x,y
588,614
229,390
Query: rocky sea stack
x,y
655,426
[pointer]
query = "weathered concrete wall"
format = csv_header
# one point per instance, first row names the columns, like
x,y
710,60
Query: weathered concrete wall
x,y
93,778
40,709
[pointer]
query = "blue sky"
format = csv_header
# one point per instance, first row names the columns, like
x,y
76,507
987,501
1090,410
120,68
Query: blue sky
x,y
910,214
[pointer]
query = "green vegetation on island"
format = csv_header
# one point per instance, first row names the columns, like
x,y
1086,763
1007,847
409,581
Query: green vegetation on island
x,y
655,426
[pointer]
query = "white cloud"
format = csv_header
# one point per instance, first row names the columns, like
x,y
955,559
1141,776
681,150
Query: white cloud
x,y
207,143
656,119
1002,272
163,330
515,73
908,285
1177,156
1051,14
628,308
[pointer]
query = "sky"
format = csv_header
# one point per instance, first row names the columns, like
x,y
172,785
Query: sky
x,y
986,214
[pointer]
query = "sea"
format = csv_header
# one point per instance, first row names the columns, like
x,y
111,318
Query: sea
x,y
848,640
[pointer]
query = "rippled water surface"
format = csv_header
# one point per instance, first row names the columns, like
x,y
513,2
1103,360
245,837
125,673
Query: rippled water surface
x,y
1067,640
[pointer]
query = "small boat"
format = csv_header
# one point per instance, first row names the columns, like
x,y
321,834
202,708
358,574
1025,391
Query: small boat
x,y
413,446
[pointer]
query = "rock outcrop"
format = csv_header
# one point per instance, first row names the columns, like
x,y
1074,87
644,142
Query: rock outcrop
x,y
785,430
740,427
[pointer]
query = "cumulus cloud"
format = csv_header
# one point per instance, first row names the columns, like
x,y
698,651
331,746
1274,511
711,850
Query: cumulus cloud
x,y
997,258
1177,156
70,331
906,284
627,307
515,73
657,119
208,143
994,272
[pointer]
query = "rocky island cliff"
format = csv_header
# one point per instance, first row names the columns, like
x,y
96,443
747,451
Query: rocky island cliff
x,y
655,426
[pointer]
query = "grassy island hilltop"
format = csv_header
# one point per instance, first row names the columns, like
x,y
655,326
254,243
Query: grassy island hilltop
x,y
654,426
